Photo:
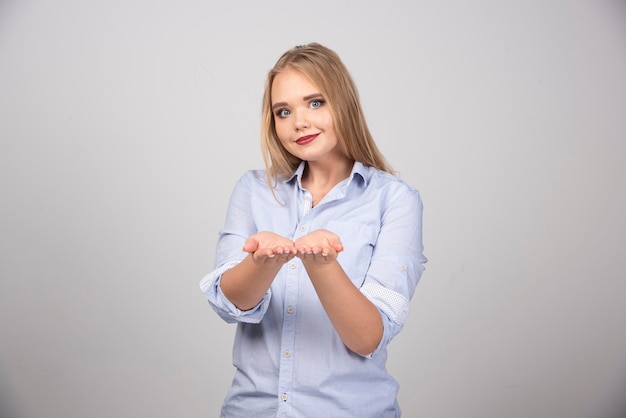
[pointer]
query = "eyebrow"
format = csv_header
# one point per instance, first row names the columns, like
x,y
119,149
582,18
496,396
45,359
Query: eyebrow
x,y
304,99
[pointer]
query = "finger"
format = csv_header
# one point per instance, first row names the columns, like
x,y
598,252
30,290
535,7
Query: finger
x,y
316,250
289,256
282,257
264,253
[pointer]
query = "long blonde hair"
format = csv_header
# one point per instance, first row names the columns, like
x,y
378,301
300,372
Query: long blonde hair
x,y
328,73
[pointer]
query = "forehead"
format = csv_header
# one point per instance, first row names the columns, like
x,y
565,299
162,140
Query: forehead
x,y
292,83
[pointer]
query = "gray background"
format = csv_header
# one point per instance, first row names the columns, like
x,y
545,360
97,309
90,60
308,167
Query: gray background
x,y
125,124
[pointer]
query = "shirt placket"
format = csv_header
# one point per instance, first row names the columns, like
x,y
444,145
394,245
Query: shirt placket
x,y
293,272
285,379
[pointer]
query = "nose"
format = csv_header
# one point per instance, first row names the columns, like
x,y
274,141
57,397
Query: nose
x,y
301,121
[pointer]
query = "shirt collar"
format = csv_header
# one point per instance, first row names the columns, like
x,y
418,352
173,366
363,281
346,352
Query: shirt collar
x,y
358,170
297,174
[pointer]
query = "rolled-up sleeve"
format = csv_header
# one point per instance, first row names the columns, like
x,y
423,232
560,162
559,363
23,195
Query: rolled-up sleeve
x,y
225,308
238,227
397,263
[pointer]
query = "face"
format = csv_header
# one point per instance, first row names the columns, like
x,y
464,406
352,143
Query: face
x,y
302,118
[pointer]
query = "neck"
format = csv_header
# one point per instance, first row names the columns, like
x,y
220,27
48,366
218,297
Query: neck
x,y
325,175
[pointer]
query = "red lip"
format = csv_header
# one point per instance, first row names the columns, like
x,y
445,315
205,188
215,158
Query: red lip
x,y
303,140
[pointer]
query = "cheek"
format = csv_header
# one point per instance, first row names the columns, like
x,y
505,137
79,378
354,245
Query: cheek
x,y
280,131
329,126
326,121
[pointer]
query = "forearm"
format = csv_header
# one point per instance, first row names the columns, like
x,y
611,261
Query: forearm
x,y
355,318
246,283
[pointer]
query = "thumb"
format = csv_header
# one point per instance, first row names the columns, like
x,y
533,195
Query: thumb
x,y
251,245
336,244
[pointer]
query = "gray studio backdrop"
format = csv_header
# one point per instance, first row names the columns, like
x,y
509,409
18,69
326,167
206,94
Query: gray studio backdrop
x,y
125,124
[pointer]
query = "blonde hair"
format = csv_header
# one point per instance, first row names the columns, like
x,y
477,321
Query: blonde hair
x,y
328,73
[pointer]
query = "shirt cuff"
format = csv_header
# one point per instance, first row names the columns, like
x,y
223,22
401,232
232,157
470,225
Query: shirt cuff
x,y
393,304
210,287
393,308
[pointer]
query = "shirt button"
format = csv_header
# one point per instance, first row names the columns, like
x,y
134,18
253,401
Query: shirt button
x,y
292,265
402,266
290,309
283,397
303,228
287,353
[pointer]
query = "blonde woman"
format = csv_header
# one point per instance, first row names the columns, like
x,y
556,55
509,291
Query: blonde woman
x,y
319,255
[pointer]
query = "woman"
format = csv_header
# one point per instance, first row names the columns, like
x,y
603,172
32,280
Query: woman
x,y
319,256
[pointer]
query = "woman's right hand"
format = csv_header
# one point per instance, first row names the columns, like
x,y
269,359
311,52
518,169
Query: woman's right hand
x,y
268,247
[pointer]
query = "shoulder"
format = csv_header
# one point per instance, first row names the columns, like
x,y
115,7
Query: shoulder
x,y
253,178
251,182
391,186
256,183
396,198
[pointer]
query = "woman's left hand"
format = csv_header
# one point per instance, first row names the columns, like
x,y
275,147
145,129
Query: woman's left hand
x,y
319,246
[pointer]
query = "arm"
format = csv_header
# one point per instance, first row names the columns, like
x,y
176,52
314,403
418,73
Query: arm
x,y
355,318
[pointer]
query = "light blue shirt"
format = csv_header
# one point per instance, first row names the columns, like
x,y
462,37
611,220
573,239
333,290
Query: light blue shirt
x,y
289,360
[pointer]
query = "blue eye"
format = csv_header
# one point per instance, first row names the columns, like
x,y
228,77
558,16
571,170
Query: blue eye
x,y
283,113
316,103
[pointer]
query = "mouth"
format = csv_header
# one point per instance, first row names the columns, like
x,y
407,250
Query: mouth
x,y
303,140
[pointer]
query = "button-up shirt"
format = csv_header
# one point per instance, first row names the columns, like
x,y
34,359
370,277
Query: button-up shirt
x,y
289,360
